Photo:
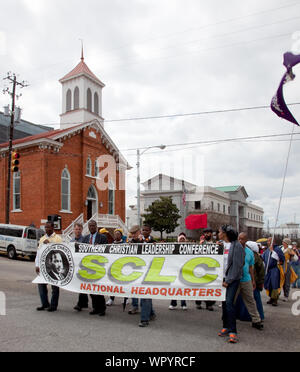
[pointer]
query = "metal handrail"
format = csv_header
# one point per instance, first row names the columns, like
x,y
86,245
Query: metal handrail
x,y
103,220
69,230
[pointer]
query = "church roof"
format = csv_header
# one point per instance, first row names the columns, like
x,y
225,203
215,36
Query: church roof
x,y
46,135
21,130
53,137
79,70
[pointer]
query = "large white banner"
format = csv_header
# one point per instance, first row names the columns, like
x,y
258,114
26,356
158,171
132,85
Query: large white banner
x,y
158,271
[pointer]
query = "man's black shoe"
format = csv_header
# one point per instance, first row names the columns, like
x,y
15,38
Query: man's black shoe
x,y
258,326
77,308
42,308
144,324
210,308
94,312
51,310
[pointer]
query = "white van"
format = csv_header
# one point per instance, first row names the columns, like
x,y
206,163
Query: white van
x,y
19,240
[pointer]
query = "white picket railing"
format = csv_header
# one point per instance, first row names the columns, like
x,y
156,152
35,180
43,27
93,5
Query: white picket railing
x,y
68,232
103,220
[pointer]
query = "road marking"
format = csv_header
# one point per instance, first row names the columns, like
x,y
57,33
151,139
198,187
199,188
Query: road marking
x,y
296,305
2,304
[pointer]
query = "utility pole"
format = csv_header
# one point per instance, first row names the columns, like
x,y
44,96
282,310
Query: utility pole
x,y
13,80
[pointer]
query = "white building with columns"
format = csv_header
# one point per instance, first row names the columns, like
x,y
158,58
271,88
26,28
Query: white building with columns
x,y
223,205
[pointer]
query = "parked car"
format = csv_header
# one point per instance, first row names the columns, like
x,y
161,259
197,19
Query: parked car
x,y
19,240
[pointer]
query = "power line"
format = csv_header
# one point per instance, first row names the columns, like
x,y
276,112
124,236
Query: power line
x,y
171,116
230,20
210,144
205,26
218,141
243,43
250,28
195,113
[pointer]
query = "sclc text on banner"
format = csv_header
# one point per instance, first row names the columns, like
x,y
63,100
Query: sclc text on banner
x,y
158,271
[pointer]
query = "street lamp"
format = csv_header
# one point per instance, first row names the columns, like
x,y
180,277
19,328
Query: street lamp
x,y
139,154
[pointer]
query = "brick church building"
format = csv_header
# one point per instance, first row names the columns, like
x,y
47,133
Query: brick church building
x,y
62,172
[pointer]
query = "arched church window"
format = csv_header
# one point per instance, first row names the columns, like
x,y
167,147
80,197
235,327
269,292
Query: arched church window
x,y
69,101
89,100
65,190
111,198
17,191
92,194
96,103
88,167
76,98
96,169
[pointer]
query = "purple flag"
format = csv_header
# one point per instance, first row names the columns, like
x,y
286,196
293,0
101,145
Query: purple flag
x,y
290,60
278,104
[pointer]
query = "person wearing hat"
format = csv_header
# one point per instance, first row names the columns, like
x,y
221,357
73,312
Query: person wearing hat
x,y
208,239
290,257
273,257
105,232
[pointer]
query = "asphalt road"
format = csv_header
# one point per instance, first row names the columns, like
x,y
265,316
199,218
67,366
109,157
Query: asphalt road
x,y
25,329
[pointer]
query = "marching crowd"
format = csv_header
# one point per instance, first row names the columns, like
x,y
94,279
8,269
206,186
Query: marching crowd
x,y
247,271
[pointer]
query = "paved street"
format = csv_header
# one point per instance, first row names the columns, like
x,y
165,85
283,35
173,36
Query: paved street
x,y
25,329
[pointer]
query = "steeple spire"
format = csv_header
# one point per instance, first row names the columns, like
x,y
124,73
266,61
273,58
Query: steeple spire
x,y
82,56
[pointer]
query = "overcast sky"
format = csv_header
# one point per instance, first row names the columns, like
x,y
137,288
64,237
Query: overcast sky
x,y
161,57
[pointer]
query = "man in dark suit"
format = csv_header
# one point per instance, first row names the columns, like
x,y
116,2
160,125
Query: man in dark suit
x,y
94,238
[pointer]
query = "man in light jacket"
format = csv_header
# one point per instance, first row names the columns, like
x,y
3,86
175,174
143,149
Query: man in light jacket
x,y
49,237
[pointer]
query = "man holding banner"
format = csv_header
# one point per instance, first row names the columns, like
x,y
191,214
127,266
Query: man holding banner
x,y
49,237
94,238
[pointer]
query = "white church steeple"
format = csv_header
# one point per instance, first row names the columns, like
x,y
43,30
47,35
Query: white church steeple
x,y
81,96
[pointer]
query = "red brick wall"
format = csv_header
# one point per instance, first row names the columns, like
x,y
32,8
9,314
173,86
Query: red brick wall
x,y
41,181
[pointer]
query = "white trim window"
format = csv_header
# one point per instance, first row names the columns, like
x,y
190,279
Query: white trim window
x,y
88,167
111,198
65,190
76,98
17,191
69,100
97,169
96,103
89,103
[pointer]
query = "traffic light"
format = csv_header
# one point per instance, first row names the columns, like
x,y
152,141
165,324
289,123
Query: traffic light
x,y
15,162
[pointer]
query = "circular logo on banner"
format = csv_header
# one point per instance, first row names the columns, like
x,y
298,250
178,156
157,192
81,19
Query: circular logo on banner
x,y
57,265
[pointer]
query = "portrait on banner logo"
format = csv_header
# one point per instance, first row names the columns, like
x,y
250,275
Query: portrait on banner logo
x,y
57,265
